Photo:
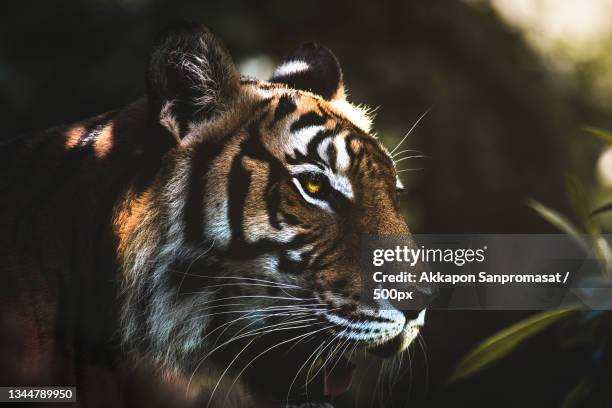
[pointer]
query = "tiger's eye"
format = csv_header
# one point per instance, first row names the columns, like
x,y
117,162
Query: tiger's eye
x,y
313,185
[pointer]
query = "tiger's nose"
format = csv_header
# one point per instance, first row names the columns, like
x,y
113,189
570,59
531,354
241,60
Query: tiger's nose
x,y
427,292
423,296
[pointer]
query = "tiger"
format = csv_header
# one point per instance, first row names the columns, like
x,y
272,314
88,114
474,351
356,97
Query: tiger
x,y
203,241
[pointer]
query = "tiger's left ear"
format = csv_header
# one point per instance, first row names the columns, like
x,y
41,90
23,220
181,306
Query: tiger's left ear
x,y
314,68
190,78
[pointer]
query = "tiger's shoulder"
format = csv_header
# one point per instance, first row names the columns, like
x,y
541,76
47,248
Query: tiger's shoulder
x,y
59,187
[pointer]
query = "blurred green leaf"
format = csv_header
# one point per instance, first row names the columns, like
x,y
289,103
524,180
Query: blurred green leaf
x,y
502,343
560,221
577,195
604,253
578,198
577,396
600,133
602,209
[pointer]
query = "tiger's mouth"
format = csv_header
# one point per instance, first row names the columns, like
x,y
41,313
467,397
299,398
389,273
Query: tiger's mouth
x,y
321,367
338,373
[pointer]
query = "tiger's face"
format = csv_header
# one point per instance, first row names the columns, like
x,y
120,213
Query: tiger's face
x,y
315,182
249,241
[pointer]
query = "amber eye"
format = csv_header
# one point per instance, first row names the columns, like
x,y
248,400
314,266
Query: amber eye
x,y
314,184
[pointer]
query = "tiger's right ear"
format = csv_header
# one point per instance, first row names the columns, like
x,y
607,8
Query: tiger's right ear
x,y
314,68
190,78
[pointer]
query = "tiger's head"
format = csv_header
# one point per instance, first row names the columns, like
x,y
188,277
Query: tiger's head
x,y
246,246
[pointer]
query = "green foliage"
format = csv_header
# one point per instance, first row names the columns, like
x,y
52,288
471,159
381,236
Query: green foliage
x,y
559,221
588,234
577,395
501,344
600,133
578,198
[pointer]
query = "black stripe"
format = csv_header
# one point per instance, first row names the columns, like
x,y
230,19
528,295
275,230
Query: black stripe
x,y
239,181
252,147
375,151
238,188
299,158
347,124
284,107
332,153
355,158
291,219
313,145
189,276
319,261
94,129
338,202
273,199
308,119
193,214
248,251
286,264
312,155
264,103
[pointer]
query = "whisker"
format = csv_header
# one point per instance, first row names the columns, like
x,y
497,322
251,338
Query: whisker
x,y
250,297
284,310
410,131
405,151
344,346
417,169
416,156
300,369
423,346
308,378
191,264
264,285
247,326
314,307
226,370
234,338
243,278
249,315
236,335
232,362
275,346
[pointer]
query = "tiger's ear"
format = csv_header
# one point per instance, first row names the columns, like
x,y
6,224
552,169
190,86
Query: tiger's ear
x,y
190,78
314,68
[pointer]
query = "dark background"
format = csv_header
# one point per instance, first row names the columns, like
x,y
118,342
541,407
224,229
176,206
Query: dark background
x,y
502,128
